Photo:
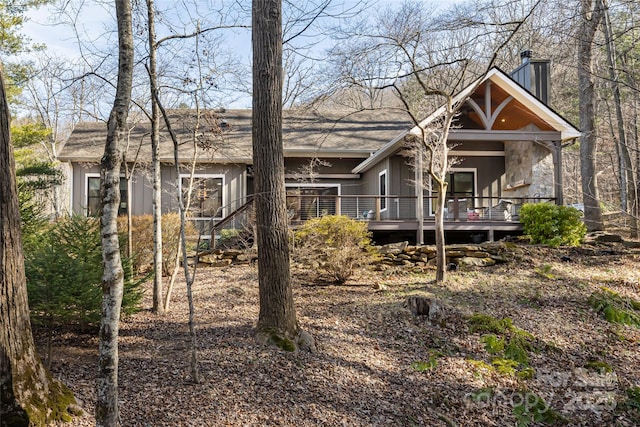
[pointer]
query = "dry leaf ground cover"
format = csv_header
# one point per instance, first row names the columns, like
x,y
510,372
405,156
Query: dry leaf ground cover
x,y
377,364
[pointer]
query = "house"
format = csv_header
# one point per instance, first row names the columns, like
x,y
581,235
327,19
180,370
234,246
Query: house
x,y
508,143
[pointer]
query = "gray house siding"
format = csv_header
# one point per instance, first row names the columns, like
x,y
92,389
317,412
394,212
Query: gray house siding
x,y
234,179
234,176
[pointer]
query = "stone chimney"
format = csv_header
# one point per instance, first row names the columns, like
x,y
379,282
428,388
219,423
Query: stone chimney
x,y
534,75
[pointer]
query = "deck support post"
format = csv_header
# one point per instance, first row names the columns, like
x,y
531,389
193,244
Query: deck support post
x,y
419,178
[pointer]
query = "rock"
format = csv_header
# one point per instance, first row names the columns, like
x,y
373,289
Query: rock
x,y
423,306
476,262
499,259
477,254
247,257
428,249
609,238
494,248
403,257
306,342
231,253
222,263
208,259
454,253
393,248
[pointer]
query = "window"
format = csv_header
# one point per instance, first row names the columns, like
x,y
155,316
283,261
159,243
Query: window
x,y
306,201
460,184
93,195
382,187
206,195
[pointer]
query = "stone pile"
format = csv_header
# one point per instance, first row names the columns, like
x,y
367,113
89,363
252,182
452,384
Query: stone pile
x,y
226,257
482,255
394,254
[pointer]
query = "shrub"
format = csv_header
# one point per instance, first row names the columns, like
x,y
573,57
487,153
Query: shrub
x,y
64,275
334,245
552,225
142,236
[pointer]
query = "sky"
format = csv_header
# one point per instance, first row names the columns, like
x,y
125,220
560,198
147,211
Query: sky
x,y
94,20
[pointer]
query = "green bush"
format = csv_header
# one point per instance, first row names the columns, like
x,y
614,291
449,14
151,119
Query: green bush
x,y
64,275
553,225
334,245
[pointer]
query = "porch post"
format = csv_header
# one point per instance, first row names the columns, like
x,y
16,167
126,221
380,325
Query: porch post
x,y
557,169
419,178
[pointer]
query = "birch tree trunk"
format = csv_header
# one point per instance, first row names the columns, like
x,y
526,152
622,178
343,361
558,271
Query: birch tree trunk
x,y
28,393
113,276
158,304
591,16
277,311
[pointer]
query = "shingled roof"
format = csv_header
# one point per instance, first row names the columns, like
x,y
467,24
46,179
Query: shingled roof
x,y
225,136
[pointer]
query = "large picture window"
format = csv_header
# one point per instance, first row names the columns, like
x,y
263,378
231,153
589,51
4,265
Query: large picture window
x,y
93,195
306,201
206,196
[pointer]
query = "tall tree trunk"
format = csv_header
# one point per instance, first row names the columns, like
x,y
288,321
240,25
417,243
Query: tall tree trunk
x,y
627,183
158,304
28,393
591,16
277,311
113,276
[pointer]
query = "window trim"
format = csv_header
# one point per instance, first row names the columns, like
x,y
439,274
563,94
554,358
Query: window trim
x,y
314,185
384,199
454,170
223,209
87,177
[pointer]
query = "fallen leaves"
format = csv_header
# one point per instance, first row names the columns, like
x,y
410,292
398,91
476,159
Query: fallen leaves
x,y
364,372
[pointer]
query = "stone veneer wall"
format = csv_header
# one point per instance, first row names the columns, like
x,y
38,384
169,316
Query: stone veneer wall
x,y
529,163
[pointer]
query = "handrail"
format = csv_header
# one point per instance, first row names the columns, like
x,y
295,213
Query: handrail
x,y
248,204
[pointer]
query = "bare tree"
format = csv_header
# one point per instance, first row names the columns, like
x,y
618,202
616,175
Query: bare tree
x,y
113,277
426,58
158,304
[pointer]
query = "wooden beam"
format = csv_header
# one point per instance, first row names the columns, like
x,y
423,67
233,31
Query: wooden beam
x,y
502,135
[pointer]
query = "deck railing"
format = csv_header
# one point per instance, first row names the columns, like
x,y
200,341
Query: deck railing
x,y
403,208
378,208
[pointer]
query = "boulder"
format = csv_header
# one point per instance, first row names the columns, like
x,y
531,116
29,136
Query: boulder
x,y
208,259
609,238
476,262
393,248
424,306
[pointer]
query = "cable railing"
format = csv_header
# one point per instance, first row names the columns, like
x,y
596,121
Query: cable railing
x,y
403,208
239,224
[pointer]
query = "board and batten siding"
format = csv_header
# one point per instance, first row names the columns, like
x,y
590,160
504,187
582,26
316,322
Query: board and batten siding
x,y
235,185
141,188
